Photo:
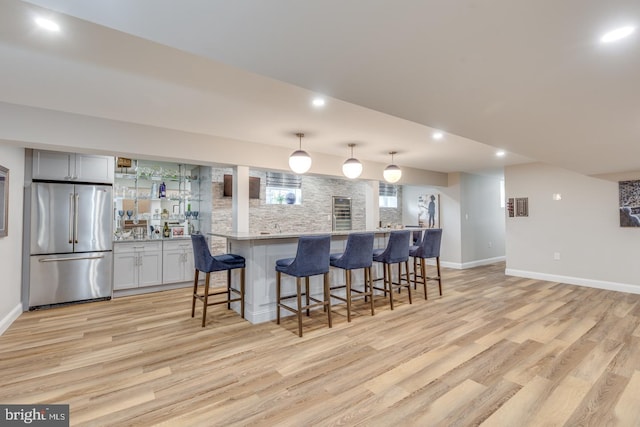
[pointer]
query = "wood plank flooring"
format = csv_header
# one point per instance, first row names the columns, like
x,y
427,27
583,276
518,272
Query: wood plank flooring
x,y
493,351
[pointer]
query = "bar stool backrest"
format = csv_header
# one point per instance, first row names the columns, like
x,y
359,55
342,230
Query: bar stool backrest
x,y
312,256
397,249
430,245
358,253
205,262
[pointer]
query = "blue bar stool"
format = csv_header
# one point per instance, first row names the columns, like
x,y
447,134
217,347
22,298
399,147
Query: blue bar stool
x,y
312,258
396,252
429,248
357,254
207,263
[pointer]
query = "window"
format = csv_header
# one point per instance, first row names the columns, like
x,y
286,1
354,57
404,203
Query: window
x,y
388,195
283,188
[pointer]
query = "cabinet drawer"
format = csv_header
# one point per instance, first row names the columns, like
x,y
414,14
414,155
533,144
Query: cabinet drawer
x,y
182,244
133,247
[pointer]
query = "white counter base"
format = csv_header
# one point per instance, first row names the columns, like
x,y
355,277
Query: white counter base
x,y
261,253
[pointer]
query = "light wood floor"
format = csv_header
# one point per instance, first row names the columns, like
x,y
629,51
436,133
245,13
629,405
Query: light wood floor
x,y
494,350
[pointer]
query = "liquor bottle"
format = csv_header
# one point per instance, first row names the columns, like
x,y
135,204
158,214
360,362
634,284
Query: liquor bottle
x,y
165,230
163,190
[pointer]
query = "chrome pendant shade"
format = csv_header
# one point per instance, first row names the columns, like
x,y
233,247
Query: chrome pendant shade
x,y
352,168
392,173
299,160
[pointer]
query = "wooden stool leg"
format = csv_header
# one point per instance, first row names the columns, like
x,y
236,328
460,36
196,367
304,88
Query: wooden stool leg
x,y
367,278
415,273
195,292
278,277
242,292
327,296
439,276
384,279
423,264
388,282
228,289
348,294
206,299
406,268
299,290
306,293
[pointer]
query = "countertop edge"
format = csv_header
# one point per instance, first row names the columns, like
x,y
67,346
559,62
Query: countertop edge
x,y
271,236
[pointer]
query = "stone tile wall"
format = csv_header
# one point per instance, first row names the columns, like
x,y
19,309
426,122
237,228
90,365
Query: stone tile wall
x,y
314,214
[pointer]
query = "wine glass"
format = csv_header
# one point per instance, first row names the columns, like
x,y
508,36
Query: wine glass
x,y
195,214
121,213
188,214
129,213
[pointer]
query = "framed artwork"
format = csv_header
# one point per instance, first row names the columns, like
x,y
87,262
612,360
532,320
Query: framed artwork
x,y
4,201
629,197
429,210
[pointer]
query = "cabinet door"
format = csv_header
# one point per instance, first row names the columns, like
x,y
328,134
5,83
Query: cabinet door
x,y
150,268
190,268
90,168
52,165
172,266
125,270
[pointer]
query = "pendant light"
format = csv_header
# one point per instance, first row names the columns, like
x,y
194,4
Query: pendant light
x,y
299,160
352,168
392,173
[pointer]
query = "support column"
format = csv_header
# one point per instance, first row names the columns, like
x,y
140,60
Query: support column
x,y
240,200
372,205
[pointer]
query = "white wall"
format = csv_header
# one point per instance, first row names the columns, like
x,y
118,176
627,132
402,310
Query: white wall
x,y
583,228
450,251
12,158
472,221
482,219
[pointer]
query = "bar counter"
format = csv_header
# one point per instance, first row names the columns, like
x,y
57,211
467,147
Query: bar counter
x,y
261,250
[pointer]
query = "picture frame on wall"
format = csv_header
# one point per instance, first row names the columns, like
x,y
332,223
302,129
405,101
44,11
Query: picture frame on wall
x,y
429,210
4,201
629,203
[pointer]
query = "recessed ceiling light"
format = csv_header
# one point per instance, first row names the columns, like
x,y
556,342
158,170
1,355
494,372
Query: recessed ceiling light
x,y
501,153
47,24
617,34
318,102
437,135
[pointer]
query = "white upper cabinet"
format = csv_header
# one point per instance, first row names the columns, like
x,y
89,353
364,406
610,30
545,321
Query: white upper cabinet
x,y
59,166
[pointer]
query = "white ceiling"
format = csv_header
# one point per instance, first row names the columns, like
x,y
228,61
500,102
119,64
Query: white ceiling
x,y
530,77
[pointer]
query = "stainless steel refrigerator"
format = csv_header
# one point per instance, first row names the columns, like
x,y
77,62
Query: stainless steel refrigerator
x,y
71,241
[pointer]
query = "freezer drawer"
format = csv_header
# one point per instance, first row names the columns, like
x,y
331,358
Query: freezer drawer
x,y
56,279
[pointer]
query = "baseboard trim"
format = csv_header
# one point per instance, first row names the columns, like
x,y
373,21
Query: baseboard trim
x,y
578,281
481,262
465,265
7,320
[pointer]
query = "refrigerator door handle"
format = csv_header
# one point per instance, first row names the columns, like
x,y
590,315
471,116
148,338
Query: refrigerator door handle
x,y
71,218
75,218
70,259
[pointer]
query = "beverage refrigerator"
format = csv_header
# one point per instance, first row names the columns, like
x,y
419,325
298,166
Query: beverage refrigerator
x,y
70,243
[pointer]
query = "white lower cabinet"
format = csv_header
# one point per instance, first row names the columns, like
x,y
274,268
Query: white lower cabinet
x,y
137,264
152,263
177,261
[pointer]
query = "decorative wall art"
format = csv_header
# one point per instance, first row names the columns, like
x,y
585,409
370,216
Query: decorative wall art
x,y
517,206
429,210
522,206
629,193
